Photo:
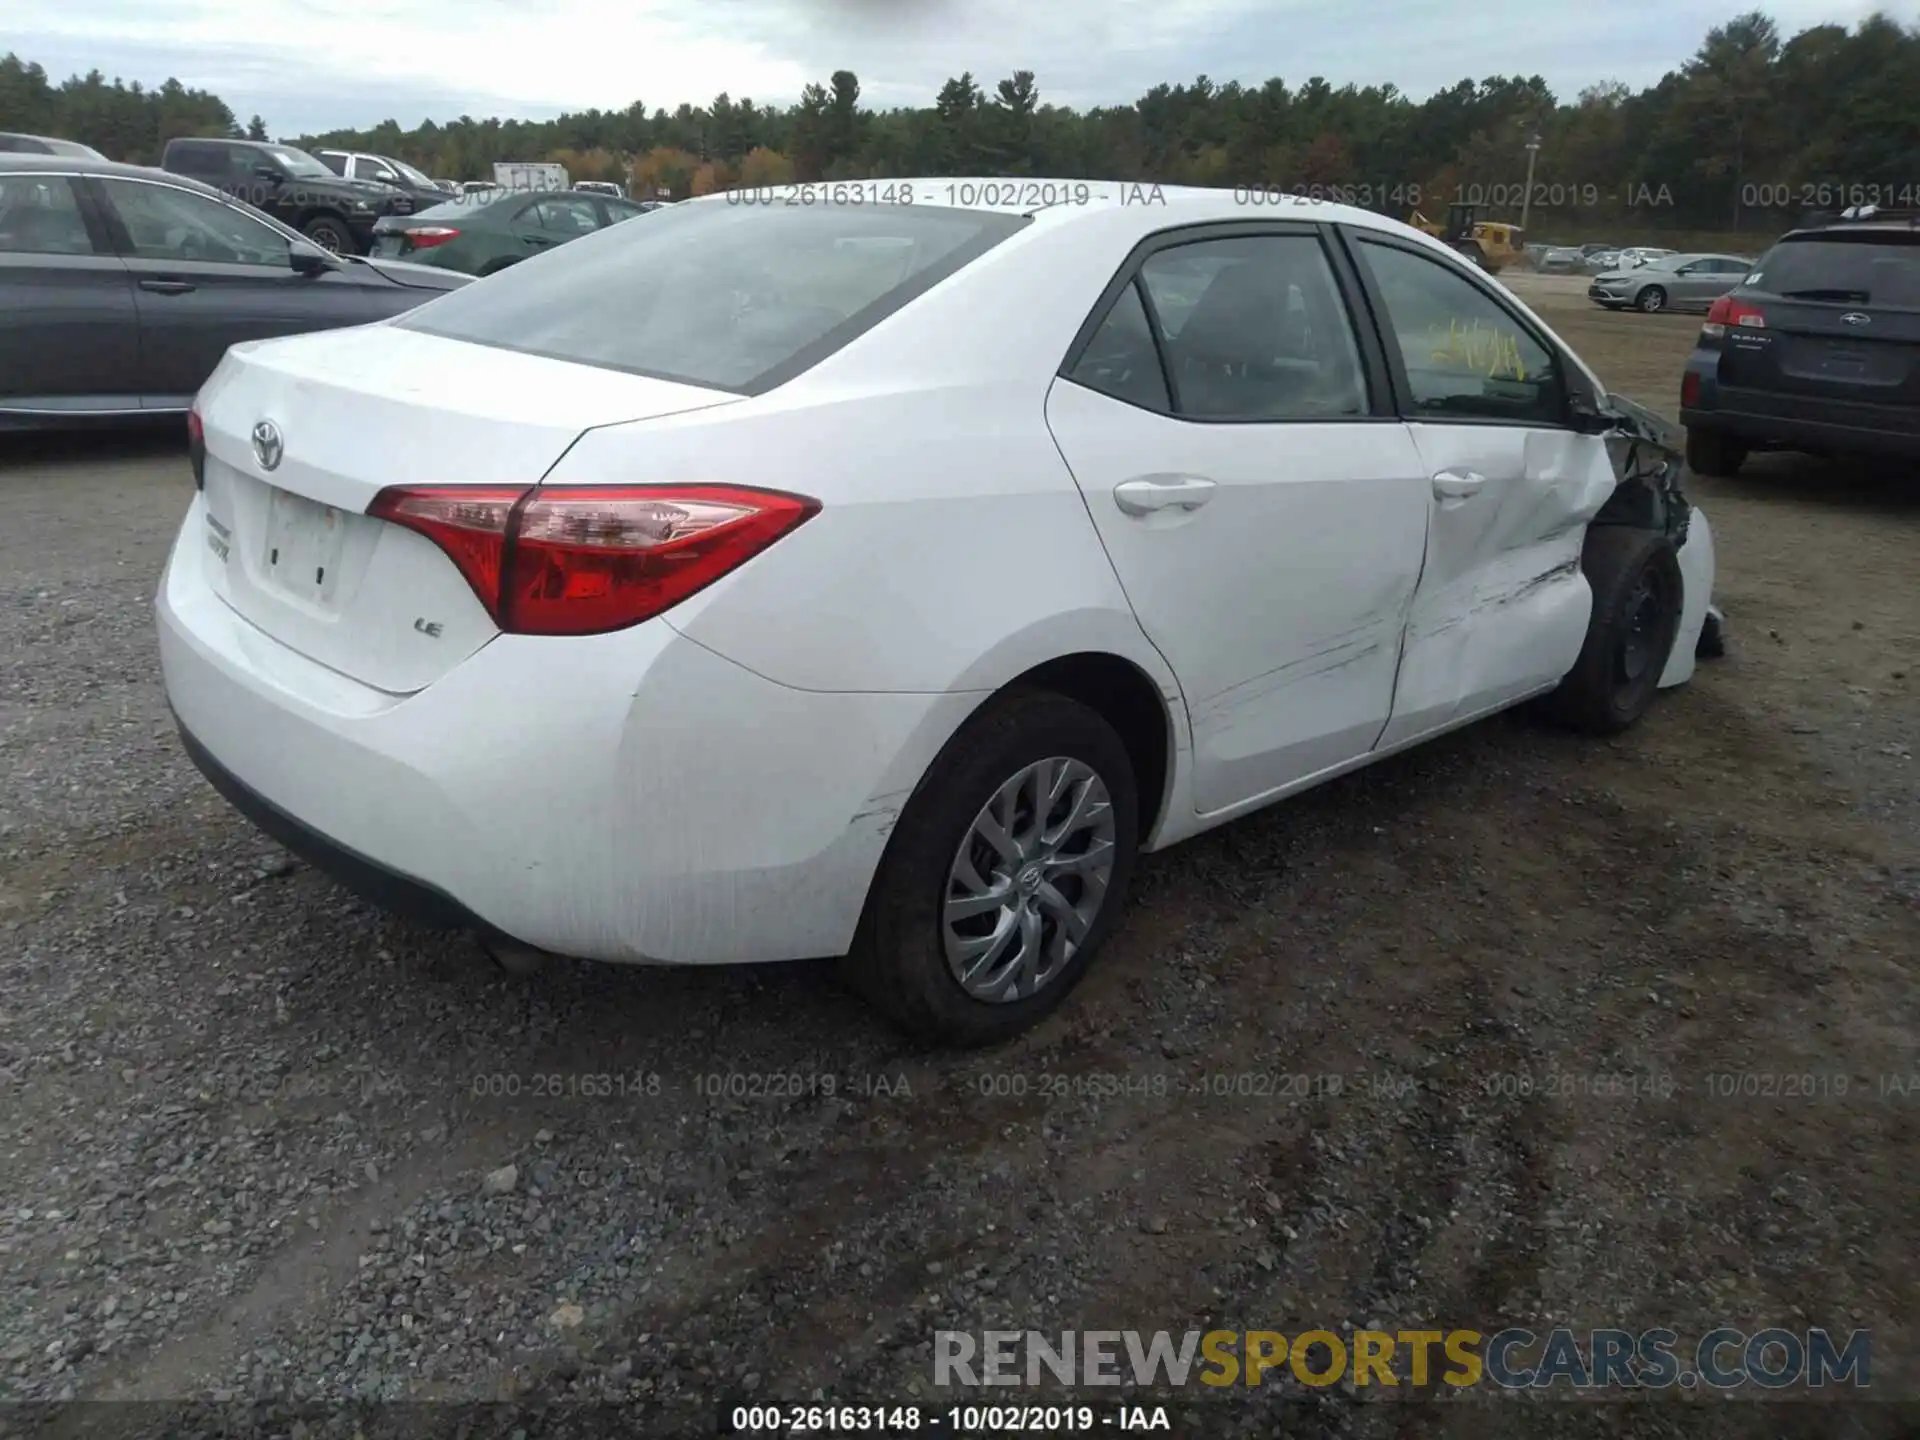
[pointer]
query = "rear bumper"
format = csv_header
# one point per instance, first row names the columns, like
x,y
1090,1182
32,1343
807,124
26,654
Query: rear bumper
x,y
1788,427
626,797
389,889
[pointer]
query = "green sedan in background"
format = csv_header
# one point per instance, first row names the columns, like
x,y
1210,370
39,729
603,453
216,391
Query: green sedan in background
x,y
478,235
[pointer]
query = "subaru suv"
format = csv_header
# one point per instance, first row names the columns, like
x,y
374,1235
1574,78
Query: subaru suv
x,y
1818,350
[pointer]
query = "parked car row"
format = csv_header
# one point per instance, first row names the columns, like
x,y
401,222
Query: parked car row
x,y
482,235
1595,258
335,212
1569,259
1668,282
121,287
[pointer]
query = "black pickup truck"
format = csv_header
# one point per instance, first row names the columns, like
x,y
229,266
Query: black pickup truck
x,y
293,187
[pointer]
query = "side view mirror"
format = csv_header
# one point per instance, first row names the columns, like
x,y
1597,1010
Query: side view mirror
x,y
307,259
267,172
1588,418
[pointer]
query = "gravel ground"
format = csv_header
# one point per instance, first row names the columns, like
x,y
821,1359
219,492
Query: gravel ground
x,y
262,1142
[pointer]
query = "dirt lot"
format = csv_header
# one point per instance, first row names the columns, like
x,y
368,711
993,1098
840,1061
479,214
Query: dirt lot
x,y
248,1123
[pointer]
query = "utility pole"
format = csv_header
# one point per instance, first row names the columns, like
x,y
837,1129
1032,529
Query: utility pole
x,y
1533,154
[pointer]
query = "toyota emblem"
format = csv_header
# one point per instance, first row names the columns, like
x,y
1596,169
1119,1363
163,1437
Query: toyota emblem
x,y
267,445
1854,317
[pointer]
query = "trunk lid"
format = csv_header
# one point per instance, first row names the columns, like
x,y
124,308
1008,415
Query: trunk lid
x,y
289,546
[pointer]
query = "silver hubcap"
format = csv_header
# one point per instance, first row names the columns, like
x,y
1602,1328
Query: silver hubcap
x,y
326,239
1029,880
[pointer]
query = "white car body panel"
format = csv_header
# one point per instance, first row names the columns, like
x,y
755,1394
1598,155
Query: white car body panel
x,y
1287,663
718,783
1697,569
571,792
443,411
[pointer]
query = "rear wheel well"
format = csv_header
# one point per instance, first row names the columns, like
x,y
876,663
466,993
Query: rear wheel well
x,y
1128,700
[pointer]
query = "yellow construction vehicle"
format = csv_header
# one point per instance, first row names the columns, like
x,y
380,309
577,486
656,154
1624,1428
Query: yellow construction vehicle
x,y
1491,244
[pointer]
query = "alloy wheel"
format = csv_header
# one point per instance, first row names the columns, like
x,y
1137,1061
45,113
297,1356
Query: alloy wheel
x,y
1029,880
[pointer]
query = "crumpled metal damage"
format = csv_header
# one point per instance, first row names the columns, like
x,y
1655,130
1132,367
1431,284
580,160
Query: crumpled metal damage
x,y
1648,452
1649,458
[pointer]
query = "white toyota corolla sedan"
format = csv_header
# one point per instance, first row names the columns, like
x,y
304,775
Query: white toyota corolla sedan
x,y
874,570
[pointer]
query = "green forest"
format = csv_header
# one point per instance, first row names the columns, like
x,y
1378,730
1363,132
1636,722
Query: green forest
x,y
1752,128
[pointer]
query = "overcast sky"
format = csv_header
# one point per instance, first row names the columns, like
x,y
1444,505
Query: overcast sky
x,y
314,65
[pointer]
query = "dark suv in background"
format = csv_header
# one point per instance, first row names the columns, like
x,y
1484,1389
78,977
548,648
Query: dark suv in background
x,y
293,187
1817,351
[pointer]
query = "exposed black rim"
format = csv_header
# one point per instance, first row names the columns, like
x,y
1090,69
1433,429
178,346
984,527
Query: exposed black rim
x,y
1647,617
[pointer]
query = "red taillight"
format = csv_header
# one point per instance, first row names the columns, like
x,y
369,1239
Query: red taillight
x,y
580,561
424,236
197,445
1690,388
1731,310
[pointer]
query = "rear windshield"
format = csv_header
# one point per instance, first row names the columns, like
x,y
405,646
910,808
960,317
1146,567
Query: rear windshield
x,y
1860,269
738,297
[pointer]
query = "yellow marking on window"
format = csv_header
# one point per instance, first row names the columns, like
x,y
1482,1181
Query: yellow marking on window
x,y
1485,349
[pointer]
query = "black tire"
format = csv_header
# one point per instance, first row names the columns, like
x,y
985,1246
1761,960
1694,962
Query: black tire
x,y
898,960
332,233
1471,251
1651,301
1637,594
1715,455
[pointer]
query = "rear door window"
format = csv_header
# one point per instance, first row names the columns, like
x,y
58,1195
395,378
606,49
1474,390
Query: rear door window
x,y
1254,328
738,297
1121,360
565,218
40,216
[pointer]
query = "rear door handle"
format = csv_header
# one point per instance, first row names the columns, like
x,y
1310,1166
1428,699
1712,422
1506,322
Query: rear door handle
x,y
168,287
1457,484
1171,492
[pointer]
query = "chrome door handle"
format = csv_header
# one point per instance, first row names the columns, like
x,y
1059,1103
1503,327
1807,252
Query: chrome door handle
x,y
1172,492
1457,484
